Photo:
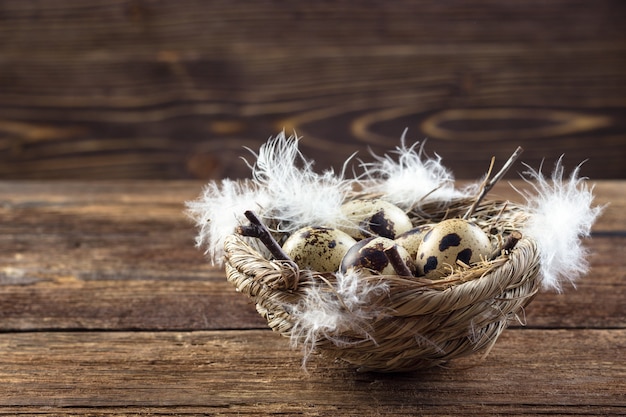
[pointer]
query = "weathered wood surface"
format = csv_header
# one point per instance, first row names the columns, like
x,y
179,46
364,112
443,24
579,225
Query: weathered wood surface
x,y
165,90
106,307
253,373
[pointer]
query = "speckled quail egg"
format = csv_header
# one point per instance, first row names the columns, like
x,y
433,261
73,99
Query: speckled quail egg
x,y
374,217
447,242
320,249
370,254
412,239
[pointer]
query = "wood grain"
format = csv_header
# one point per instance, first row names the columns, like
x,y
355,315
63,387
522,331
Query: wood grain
x,y
107,308
252,373
122,295
121,256
148,89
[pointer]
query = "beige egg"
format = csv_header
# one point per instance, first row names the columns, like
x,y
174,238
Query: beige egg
x,y
319,249
374,217
412,239
370,254
447,242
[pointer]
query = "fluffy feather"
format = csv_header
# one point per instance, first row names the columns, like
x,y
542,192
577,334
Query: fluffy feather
x,y
325,312
561,213
284,189
299,196
427,177
219,210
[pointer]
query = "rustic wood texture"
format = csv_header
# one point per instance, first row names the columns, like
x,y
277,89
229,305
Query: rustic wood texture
x,y
173,90
107,308
251,373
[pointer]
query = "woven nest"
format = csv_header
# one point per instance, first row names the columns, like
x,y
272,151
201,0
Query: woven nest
x,y
416,323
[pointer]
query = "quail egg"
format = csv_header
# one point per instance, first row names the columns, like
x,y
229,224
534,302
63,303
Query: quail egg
x,y
412,239
374,217
370,254
319,249
449,241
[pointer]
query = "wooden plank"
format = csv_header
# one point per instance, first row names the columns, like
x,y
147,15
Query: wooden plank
x,y
88,296
69,303
254,372
152,90
121,256
108,256
144,206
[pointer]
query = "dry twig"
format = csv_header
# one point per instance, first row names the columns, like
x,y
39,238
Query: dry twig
x,y
489,183
257,229
396,262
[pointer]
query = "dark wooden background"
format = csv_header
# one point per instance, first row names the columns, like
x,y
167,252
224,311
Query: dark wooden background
x,y
173,89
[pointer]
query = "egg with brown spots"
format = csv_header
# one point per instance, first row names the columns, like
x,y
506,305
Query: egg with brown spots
x,y
370,254
450,241
374,217
320,249
412,239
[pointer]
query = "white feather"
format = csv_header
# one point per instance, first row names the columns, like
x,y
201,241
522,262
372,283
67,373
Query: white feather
x,y
409,179
220,209
324,313
284,190
561,213
299,196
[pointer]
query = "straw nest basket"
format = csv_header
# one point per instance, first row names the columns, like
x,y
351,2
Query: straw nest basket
x,y
419,323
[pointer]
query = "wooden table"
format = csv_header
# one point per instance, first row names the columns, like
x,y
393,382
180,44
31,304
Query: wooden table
x,y
106,307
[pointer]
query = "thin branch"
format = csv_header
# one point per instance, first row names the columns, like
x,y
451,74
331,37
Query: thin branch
x,y
396,262
487,185
258,230
508,245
